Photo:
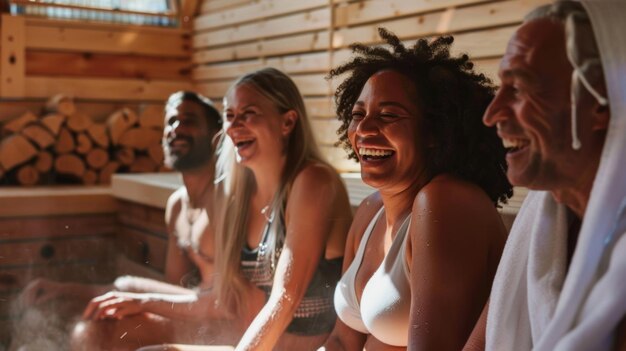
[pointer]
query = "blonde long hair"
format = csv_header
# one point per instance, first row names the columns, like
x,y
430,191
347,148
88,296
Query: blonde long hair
x,y
237,182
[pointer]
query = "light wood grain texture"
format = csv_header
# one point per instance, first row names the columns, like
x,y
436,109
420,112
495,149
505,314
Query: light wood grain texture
x,y
70,165
376,10
308,84
52,201
97,158
325,130
119,122
305,63
56,36
152,117
292,24
447,21
38,135
12,60
65,141
98,133
480,44
84,144
27,175
78,122
62,104
104,89
140,138
338,158
253,11
19,123
265,47
97,65
53,121
209,6
43,162
15,150
107,172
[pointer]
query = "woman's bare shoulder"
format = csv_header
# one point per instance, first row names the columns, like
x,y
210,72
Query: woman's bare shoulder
x,y
316,173
451,192
448,203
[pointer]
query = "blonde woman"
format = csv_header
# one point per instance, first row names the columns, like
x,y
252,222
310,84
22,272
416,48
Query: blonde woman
x,y
287,217
280,243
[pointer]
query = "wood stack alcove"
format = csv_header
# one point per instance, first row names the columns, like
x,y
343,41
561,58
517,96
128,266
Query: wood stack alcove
x,y
63,145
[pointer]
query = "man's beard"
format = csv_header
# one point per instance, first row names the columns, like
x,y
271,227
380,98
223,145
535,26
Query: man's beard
x,y
199,154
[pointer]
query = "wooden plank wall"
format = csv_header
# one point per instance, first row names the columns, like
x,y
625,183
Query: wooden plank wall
x,y
102,66
306,38
142,236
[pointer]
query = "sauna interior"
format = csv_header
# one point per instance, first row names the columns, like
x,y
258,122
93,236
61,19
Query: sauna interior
x,y
82,91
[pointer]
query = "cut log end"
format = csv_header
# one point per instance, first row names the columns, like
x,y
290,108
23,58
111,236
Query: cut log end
x,y
27,175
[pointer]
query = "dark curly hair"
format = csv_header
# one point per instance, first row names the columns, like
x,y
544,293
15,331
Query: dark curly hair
x,y
452,99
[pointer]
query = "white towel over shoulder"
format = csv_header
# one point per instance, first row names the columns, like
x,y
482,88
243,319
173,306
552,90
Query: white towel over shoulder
x,y
533,305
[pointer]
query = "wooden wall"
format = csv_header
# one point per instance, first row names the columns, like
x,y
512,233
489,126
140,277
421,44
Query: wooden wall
x,y
104,67
306,38
101,65
65,234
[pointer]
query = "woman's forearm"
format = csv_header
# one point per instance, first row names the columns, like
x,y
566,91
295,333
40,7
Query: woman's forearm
x,y
269,324
147,285
189,306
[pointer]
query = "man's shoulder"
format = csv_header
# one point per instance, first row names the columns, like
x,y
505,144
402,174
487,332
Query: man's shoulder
x,y
174,203
177,196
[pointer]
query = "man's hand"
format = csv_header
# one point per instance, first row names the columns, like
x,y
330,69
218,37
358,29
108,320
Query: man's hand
x,y
115,305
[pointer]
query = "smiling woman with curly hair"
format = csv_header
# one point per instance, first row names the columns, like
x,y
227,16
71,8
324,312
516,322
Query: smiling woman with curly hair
x,y
423,250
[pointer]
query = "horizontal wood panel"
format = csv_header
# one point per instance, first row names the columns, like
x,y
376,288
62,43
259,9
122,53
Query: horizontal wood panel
x,y
338,158
209,6
253,11
487,43
480,44
35,228
292,24
305,63
317,107
313,84
448,21
320,107
147,218
376,10
58,200
91,271
272,47
106,41
325,130
103,89
55,251
77,64
142,247
481,29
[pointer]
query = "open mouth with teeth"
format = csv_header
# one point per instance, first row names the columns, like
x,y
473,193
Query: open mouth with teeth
x,y
242,144
374,154
179,143
514,145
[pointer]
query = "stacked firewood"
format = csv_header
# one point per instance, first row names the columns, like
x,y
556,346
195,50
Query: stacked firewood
x,y
64,146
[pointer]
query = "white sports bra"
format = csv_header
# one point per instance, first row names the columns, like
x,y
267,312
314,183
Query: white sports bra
x,y
386,299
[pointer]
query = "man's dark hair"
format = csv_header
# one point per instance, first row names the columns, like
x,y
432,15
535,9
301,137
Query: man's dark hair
x,y
452,99
213,116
